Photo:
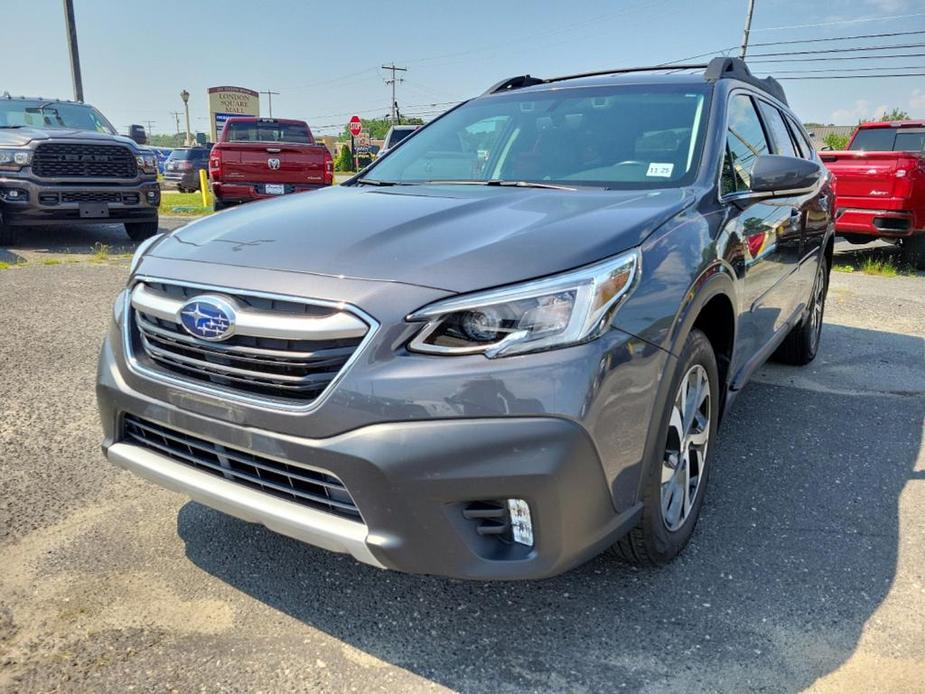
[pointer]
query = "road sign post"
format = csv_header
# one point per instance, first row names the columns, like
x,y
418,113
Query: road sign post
x,y
356,127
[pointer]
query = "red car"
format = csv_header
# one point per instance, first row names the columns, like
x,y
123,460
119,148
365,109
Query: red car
x,y
880,186
259,158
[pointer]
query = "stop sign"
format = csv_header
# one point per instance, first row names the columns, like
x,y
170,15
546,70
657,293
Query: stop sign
x,y
356,127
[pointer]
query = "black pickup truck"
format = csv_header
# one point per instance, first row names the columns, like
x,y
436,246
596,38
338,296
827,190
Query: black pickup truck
x,y
62,162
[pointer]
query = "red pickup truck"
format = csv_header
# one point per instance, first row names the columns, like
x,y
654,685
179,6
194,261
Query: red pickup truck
x,y
259,158
880,186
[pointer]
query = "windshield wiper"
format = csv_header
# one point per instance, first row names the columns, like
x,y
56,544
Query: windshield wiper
x,y
10,126
378,182
502,183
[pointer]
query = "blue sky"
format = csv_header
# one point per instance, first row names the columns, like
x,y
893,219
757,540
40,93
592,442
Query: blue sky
x,y
324,57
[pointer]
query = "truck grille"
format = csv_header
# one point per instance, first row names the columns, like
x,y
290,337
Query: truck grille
x,y
314,488
66,160
285,369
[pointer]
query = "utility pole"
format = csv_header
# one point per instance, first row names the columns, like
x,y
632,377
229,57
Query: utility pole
x,y
393,109
270,100
748,28
150,124
176,115
72,48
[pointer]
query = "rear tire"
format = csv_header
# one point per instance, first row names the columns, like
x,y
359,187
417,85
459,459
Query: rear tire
x,y
139,231
802,343
913,251
218,205
676,479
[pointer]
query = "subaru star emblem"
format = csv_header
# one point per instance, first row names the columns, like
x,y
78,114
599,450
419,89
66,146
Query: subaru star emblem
x,y
208,317
273,163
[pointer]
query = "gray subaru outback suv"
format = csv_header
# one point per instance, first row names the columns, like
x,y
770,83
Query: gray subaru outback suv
x,y
500,350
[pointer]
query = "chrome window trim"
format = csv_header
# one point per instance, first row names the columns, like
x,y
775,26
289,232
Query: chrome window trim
x,y
221,393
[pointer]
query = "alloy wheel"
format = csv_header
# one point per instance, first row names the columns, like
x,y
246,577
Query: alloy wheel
x,y
686,447
817,308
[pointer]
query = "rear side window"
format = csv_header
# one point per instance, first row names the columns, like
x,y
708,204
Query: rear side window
x,y
270,131
874,140
910,141
778,129
803,143
745,142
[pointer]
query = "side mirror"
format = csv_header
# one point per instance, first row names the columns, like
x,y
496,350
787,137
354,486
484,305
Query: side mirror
x,y
780,175
137,133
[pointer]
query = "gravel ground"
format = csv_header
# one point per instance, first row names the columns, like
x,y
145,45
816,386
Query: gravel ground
x,y
807,569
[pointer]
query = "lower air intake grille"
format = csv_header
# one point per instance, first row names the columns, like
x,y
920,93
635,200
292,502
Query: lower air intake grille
x,y
319,490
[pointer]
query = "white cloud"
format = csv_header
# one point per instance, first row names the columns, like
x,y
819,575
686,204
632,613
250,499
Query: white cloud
x,y
860,111
917,104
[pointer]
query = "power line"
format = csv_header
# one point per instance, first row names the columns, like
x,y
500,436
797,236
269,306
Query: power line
x,y
853,69
849,57
843,50
860,20
840,38
393,81
854,77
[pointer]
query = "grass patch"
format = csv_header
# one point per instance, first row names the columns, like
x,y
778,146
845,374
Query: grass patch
x,y
5,266
100,252
51,261
184,204
873,262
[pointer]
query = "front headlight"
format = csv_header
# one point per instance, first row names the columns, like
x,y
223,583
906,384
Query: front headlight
x,y
555,312
15,159
146,162
143,248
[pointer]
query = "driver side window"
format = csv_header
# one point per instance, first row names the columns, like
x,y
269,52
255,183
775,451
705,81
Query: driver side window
x,y
745,142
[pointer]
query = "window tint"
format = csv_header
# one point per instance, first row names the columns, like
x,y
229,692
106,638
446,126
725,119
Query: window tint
x,y
266,131
745,142
778,129
910,141
874,140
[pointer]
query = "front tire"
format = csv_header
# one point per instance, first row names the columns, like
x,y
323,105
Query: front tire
x,y
8,235
675,481
139,231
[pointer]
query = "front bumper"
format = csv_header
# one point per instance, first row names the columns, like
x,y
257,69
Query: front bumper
x,y
410,480
43,203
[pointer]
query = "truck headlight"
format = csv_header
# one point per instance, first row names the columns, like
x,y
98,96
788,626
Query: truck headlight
x,y
554,312
15,159
146,162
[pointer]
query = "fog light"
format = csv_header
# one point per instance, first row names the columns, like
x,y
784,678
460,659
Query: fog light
x,y
14,195
521,525
152,194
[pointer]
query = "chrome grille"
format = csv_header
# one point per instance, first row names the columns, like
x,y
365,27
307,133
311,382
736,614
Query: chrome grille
x,y
309,487
283,350
72,160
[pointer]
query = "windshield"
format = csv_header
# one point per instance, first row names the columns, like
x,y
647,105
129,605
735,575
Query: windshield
x,y
638,136
36,113
257,131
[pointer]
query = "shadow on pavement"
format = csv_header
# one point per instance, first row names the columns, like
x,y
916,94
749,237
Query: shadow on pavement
x,y
796,549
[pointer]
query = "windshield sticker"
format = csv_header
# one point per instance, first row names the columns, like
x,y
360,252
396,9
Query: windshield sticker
x,y
660,170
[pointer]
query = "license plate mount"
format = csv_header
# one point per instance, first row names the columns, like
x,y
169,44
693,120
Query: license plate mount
x,y
93,210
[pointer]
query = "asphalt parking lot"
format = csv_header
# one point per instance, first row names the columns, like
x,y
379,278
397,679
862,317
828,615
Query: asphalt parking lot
x,y
807,569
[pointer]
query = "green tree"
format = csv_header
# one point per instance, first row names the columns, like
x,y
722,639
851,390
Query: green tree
x,y
377,128
835,141
166,140
344,161
894,114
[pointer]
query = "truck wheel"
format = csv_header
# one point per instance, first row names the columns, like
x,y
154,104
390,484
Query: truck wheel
x,y
139,231
676,480
218,205
8,235
801,344
913,251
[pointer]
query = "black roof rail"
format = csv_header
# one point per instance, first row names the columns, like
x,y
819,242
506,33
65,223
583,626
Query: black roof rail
x,y
736,69
716,69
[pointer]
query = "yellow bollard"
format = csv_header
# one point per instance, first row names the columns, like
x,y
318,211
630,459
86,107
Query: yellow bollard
x,y
204,187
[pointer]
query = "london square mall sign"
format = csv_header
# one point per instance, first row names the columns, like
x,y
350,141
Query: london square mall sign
x,y
225,102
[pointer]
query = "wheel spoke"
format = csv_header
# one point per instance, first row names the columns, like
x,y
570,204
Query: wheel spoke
x,y
699,438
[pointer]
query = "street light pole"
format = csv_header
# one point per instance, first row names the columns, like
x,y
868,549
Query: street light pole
x,y
185,96
72,48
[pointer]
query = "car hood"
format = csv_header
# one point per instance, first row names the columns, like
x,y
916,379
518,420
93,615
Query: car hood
x,y
456,238
20,137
